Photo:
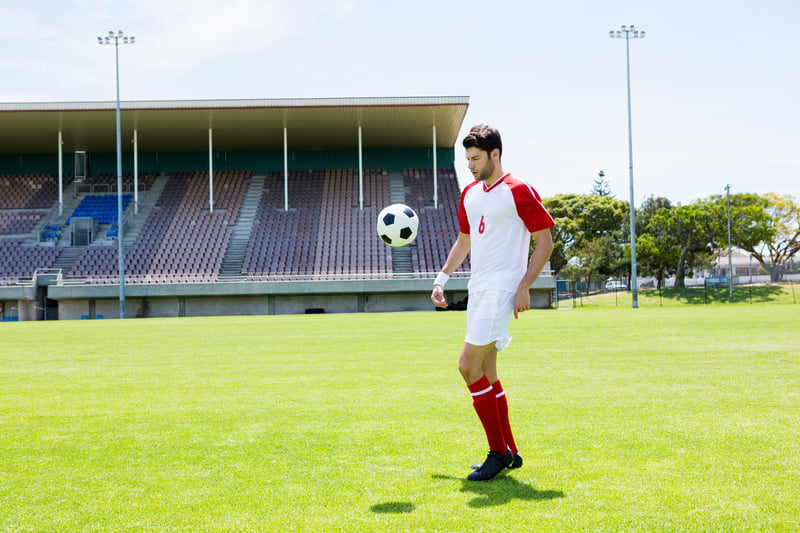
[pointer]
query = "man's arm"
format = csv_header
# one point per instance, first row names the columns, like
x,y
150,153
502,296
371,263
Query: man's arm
x,y
458,253
544,247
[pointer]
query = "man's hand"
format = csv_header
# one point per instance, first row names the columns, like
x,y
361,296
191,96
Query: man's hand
x,y
522,301
437,296
544,247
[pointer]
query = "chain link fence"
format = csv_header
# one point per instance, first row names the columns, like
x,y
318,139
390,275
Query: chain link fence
x,y
712,290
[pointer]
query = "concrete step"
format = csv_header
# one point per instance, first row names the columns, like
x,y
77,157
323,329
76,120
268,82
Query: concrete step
x,y
240,234
66,259
401,257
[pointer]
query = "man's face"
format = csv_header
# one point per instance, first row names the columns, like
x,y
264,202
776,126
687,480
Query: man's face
x,y
479,163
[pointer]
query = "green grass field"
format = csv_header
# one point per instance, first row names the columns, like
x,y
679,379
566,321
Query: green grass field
x,y
657,419
754,294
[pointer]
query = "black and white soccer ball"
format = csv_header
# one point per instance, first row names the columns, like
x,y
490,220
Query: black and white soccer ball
x,y
397,225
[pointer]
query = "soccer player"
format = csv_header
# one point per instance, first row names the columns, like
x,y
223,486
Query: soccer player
x,y
497,216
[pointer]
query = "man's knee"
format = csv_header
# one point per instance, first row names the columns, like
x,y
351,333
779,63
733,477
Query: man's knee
x,y
470,372
470,364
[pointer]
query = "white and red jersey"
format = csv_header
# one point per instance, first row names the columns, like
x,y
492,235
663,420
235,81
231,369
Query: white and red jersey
x,y
499,220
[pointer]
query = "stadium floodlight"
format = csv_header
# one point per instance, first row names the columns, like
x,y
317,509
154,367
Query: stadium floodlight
x,y
730,254
116,39
628,33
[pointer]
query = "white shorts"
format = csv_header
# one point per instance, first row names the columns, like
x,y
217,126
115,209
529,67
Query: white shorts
x,y
488,314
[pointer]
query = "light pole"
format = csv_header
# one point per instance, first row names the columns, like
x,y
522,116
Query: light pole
x,y
628,33
730,256
116,39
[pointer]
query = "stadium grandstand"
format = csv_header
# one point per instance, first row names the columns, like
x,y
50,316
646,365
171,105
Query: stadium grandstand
x,y
229,207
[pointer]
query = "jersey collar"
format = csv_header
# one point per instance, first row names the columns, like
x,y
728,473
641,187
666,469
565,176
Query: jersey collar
x,y
495,184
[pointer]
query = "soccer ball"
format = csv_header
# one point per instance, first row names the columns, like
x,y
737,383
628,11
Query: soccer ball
x,y
397,225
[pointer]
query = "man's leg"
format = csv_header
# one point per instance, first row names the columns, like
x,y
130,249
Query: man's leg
x,y
502,410
470,365
489,367
490,371
485,403
488,314
472,359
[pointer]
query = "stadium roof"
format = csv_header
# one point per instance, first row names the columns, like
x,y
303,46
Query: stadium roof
x,y
182,125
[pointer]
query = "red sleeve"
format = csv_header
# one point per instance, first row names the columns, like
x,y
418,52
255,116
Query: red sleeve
x,y
529,207
463,221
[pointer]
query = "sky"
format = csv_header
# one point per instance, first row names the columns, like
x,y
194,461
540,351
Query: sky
x,y
714,84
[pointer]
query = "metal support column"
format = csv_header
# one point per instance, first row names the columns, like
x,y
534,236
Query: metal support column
x,y
210,170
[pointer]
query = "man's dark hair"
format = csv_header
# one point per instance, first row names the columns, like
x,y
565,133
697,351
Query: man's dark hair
x,y
484,138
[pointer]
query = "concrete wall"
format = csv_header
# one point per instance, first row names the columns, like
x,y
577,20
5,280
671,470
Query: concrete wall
x,y
265,298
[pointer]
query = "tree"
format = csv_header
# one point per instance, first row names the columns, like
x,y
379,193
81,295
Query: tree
x,y
564,209
672,239
694,228
600,256
657,248
581,219
601,187
768,227
649,208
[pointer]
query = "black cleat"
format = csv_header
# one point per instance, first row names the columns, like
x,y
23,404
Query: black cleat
x,y
517,463
495,463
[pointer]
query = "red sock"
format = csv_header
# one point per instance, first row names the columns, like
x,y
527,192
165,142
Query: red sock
x,y
502,410
485,404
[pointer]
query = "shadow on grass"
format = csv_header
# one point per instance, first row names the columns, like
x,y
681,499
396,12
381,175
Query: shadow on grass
x,y
501,490
709,295
392,507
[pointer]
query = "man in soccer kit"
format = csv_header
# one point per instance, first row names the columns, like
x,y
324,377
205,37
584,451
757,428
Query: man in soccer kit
x,y
498,214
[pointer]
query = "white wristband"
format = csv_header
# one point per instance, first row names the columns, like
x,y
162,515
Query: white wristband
x,y
441,279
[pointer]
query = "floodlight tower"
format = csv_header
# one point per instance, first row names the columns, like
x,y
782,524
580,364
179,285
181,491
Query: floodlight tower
x,y
116,39
628,33
730,254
